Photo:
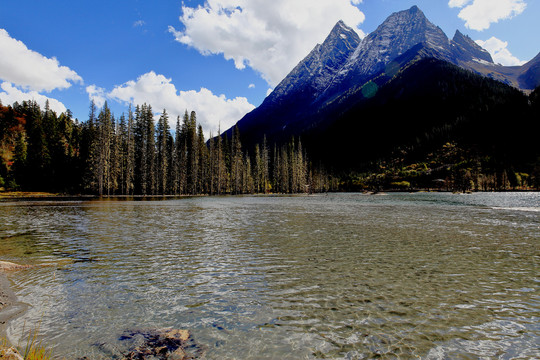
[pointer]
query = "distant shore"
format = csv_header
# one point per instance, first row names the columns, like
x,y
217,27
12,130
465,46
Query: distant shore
x,y
14,195
28,195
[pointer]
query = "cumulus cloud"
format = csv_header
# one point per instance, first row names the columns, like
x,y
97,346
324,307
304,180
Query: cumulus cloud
x,y
97,94
480,14
498,50
10,94
31,70
158,91
268,36
251,86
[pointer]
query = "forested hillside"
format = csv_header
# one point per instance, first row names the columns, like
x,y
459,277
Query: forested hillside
x,y
134,155
423,110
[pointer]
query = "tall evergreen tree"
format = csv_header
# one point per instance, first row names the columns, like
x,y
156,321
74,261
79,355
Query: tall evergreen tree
x,y
179,160
163,135
122,134
151,185
130,154
102,149
236,162
202,162
193,154
141,163
265,159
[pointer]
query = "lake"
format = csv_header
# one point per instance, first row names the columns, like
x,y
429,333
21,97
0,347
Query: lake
x,y
338,276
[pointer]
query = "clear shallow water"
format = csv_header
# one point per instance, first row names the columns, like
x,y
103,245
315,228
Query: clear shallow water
x,y
436,276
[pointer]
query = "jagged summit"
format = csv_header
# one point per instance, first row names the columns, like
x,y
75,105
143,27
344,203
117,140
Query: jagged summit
x,y
470,50
317,69
340,36
343,59
397,34
404,29
341,28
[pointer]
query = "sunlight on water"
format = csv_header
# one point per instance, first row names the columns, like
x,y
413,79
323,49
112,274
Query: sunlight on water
x,y
352,276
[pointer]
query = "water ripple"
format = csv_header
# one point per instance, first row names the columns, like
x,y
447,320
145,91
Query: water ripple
x,y
346,276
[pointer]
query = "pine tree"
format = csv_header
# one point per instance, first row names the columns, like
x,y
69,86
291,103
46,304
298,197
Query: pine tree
x,y
171,174
184,160
236,162
284,171
221,172
102,149
39,158
115,177
257,170
130,154
193,154
247,178
276,171
212,165
163,134
122,134
151,185
89,150
141,164
179,160
265,177
202,162
226,154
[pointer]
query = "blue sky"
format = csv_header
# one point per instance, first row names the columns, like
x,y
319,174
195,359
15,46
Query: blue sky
x,y
217,57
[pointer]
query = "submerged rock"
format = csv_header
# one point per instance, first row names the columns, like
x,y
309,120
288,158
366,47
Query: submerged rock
x,y
9,266
162,344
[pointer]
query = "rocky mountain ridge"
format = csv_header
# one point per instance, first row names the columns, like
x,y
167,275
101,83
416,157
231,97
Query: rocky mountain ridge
x,y
344,63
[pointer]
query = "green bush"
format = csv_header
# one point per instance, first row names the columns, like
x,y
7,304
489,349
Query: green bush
x,y
401,184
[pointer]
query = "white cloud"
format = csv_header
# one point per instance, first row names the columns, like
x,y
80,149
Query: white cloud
x,y
10,94
139,23
269,91
31,70
480,14
158,91
97,94
268,36
458,3
498,50
251,86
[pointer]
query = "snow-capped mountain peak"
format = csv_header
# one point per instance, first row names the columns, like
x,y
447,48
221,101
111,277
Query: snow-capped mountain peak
x,y
317,69
331,76
397,34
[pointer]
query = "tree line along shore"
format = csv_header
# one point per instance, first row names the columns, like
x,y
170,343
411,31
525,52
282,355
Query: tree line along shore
x,y
43,153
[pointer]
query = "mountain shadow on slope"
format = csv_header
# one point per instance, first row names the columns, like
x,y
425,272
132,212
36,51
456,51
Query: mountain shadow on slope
x,y
427,103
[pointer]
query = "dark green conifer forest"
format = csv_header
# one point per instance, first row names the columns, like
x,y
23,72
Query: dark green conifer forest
x,y
135,155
